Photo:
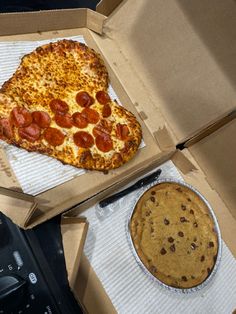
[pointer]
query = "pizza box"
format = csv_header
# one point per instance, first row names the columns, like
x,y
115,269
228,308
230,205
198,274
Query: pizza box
x,y
170,64
28,210
209,166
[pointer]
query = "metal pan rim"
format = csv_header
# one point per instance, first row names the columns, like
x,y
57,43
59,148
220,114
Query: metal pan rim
x,y
216,226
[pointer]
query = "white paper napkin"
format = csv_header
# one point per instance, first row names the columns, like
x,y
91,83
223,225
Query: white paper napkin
x,y
128,287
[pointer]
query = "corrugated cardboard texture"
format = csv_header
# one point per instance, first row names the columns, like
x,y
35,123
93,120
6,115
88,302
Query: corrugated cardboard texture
x,y
217,156
217,197
182,55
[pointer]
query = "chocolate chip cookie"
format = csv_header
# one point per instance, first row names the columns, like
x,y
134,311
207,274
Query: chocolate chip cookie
x,y
174,235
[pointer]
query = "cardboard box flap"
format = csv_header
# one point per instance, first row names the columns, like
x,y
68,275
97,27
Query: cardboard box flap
x,y
15,204
106,7
180,59
74,231
18,206
216,155
32,22
82,280
7,177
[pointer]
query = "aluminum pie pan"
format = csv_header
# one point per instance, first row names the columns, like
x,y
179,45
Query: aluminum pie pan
x,y
216,229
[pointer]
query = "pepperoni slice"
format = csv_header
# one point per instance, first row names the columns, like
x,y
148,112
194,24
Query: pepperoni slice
x,y
84,99
20,117
104,127
30,133
91,115
41,118
58,105
83,139
106,111
54,136
64,120
103,97
79,120
122,131
104,143
6,128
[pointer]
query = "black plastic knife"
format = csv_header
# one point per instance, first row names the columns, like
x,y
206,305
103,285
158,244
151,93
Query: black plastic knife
x,y
137,185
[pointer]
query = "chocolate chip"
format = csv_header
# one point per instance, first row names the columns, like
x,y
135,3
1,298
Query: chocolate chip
x,y
192,277
152,230
153,192
172,248
183,207
166,221
149,260
171,240
195,224
208,270
193,246
152,198
211,244
183,219
179,190
153,269
189,199
195,239
188,252
191,212
202,258
180,234
163,251
184,278
148,213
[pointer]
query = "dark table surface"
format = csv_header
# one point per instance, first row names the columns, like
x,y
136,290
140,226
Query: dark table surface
x,y
36,5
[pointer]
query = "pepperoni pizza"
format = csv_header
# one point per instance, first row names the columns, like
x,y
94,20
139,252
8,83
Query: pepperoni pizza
x,y
57,104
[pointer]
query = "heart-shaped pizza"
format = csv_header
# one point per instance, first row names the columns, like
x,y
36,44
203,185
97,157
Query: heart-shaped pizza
x,y
57,103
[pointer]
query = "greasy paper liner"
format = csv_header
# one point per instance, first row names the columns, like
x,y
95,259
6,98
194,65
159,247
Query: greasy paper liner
x,y
216,227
